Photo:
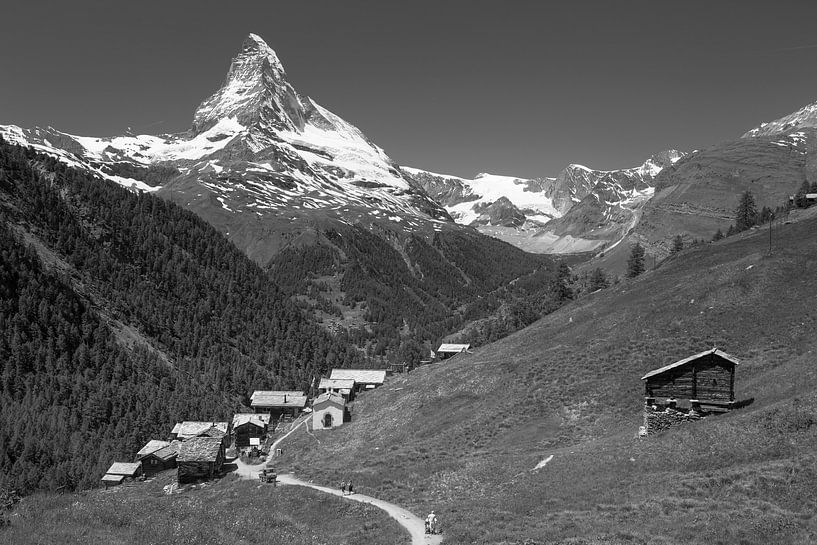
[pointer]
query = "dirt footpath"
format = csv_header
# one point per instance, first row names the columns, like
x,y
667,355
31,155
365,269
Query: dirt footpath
x,y
407,519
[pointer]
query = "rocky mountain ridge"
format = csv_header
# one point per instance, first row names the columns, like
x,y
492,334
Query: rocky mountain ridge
x,y
577,210
261,162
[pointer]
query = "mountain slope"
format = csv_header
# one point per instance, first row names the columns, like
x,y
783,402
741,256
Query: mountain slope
x,y
804,118
121,314
578,210
464,437
260,162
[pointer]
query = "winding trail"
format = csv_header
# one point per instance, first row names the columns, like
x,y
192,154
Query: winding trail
x,y
408,520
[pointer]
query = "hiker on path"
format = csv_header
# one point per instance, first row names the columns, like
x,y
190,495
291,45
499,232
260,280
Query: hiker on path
x,y
343,487
350,487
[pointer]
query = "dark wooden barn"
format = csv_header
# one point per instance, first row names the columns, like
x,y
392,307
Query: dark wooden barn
x,y
247,426
158,456
708,377
200,458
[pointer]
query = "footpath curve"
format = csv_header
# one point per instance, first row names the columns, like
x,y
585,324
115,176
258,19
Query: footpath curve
x,y
407,519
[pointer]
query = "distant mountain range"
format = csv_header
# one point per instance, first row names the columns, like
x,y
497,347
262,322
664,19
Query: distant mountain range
x,y
261,162
578,210
273,169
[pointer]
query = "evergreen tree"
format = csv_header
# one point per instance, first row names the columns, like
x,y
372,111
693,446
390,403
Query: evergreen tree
x,y
746,212
731,231
718,235
677,244
635,263
598,280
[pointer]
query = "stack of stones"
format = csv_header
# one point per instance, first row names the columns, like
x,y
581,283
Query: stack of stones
x,y
658,419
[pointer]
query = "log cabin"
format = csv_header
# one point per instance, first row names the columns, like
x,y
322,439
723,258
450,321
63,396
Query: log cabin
x,y
447,350
199,458
365,379
278,403
121,471
248,426
706,378
342,387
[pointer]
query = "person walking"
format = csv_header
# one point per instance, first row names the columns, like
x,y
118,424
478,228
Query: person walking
x,y
343,488
351,491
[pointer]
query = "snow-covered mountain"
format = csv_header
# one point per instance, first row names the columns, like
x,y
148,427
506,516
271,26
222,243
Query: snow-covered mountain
x,y
804,118
259,160
541,214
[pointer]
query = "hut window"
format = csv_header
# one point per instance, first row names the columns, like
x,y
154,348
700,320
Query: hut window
x,y
327,420
714,382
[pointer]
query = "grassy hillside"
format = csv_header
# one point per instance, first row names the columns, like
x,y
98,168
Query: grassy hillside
x,y
229,511
464,437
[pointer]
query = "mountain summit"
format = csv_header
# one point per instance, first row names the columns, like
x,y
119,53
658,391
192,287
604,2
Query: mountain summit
x,y
804,118
261,162
255,91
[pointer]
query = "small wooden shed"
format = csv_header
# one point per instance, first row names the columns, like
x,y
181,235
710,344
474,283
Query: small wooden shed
x,y
278,402
121,471
200,458
328,411
708,377
365,379
343,387
157,456
248,426
447,350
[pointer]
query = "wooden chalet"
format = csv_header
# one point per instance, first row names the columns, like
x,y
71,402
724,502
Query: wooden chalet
x,y
447,350
278,403
199,458
120,472
158,456
328,411
707,378
365,379
342,387
248,426
190,429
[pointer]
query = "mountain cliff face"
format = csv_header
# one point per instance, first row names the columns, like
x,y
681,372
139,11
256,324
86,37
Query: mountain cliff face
x,y
261,162
804,118
578,210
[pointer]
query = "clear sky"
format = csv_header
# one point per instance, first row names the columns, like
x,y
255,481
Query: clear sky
x,y
456,86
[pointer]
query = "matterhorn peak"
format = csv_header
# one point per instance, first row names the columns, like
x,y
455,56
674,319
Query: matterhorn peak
x,y
255,93
255,45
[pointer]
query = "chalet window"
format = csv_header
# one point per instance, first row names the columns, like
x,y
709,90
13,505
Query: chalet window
x,y
714,382
327,420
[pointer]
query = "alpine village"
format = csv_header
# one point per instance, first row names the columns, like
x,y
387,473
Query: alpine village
x,y
263,329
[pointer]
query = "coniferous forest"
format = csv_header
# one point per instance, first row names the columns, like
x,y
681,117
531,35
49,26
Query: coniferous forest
x,y
121,314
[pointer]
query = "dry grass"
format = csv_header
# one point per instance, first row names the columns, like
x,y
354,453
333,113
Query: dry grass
x,y
463,437
229,511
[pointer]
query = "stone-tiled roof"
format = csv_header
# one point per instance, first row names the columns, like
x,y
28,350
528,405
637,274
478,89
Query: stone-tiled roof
x,y
152,446
684,361
128,469
360,376
328,397
200,449
278,398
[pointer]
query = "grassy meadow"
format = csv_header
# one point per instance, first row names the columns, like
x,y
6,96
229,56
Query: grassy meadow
x,y
463,437
228,511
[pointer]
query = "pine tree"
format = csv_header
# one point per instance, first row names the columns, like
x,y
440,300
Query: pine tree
x,y
677,244
746,212
800,200
598,280
635,263
731,231
718,235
